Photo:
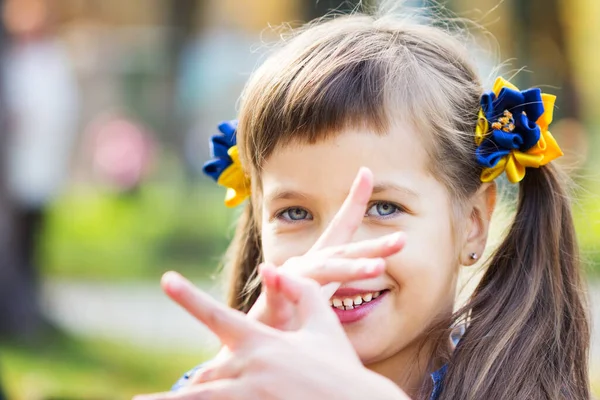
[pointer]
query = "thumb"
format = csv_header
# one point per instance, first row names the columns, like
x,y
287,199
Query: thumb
x,y
312,308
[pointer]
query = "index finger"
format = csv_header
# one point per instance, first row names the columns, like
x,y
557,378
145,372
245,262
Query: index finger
x,y
231,326
350,216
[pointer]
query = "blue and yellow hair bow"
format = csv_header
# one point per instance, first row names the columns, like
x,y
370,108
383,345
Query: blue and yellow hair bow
x,y
225,167
512,131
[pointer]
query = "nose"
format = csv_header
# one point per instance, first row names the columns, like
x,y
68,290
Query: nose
x,y
344,231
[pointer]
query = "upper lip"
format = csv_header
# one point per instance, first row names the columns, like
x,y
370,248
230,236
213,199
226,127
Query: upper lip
x,y
341,292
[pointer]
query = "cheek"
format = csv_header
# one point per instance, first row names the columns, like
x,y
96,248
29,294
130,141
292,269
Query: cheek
x,y
278,248
426,269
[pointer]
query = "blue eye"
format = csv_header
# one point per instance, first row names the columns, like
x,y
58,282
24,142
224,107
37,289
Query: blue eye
x,y
382,209
295,214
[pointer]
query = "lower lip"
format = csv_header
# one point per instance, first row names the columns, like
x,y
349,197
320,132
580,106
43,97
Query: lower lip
x,y
360,312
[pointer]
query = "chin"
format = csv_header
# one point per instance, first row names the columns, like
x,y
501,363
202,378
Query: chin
x,y
370,345
379,340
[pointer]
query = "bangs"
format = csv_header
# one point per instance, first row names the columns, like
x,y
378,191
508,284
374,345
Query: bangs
x,y
311,106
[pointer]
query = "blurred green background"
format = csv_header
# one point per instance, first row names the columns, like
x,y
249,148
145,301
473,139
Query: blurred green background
x,y
83,316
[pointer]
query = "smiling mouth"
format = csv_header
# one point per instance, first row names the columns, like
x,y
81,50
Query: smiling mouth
x,y
356,301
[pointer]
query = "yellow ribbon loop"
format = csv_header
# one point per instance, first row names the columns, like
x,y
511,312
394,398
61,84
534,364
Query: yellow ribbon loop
x,y
235,180
482,127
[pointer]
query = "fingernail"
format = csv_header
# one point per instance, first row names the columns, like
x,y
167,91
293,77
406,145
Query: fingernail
x,y
394,239
361,172
364,170
171,280
265,266
373,266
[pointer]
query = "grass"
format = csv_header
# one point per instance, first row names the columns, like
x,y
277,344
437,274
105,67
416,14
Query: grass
x,y
94,234
69,368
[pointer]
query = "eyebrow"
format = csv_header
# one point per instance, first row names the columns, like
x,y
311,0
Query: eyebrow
x,y
377,189
287,195
386,186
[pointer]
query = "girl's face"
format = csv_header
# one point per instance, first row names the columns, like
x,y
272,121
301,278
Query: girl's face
x,y
304,187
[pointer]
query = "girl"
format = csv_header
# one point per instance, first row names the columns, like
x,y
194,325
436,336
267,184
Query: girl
x,y
404,100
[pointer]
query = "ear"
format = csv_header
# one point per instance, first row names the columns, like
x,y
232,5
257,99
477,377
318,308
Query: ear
x,y
480,209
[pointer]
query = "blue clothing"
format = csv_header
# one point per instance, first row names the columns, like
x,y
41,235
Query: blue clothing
x,y
437,377
438,381
183,380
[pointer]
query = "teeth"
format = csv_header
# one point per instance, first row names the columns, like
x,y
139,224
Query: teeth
x,y
350,303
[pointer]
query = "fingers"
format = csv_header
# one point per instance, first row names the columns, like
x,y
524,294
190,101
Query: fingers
x,y
231,326
327,270
225,389
278,313
306,295
351,214
274,309
329,289
278,310
383,246
230,368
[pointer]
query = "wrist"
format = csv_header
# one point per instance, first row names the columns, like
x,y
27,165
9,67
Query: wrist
x,y
379,387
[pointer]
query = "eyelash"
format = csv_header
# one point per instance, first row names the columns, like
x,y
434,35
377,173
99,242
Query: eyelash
x,y
397,209
280,214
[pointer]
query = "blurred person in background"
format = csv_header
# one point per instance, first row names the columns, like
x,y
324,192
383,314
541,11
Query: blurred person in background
x,y
3,209
41,105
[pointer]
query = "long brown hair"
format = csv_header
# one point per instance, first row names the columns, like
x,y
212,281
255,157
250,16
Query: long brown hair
x,y
527,334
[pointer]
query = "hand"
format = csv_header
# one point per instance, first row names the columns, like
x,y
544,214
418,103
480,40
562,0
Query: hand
x,y
317,361
330,267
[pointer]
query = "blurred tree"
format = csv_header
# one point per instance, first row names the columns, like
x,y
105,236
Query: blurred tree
x,y
543,45
182,15
181,21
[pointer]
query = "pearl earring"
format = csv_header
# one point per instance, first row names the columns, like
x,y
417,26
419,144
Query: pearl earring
x,y
473,256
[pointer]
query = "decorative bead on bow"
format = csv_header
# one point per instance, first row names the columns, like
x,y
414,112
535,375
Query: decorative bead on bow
x,y
512,131
225,167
